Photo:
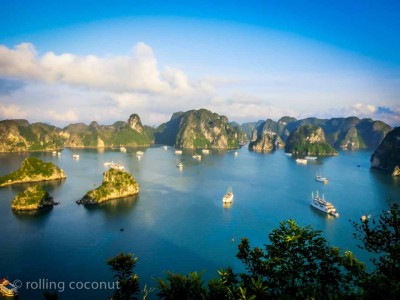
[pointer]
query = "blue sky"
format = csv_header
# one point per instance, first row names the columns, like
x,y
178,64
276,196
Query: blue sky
x,y
77,61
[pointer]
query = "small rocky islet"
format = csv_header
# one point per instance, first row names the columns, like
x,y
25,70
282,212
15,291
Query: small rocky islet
x,y
116,184
33,170
33,198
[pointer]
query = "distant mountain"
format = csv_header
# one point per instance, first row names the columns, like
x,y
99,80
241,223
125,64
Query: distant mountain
x,y
250,126
131,133
19,135
349,133
308,140
197,129
387,155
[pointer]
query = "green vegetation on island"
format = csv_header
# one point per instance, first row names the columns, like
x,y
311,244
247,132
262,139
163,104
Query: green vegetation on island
x,y
296,263
33,170
33,198
116,184
199,129
308,140
131,133
349,133
387,155
19,135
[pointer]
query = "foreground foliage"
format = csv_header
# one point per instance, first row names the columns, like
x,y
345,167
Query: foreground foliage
x,y
297,263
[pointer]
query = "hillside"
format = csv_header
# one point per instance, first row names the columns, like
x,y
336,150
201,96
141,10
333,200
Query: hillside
x,y
387,155
20,135
131,133
308,140
116,184
33,170
349,133
197,129
33,198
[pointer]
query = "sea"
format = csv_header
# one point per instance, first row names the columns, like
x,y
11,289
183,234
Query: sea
x,y
177,222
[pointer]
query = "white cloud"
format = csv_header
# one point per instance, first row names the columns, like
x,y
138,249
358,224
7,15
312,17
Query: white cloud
x,y
11,112
136,73
68,116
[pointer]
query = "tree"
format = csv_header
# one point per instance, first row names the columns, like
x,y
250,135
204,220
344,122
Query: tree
x,y
122,265
177,286
299,263
382,237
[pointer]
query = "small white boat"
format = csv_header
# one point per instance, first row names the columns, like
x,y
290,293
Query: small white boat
x,y
311,157
323,205
122,149
178,152
107,163
117,166
288,154
205,151
75,156
54,152
139,152
165,147
179,165
7,288
319,178
228,197
197,156
235,153
301,161
58,154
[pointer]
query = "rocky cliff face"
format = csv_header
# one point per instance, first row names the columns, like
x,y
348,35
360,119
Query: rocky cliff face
x,y
387,155
308,140
131,133
341,133
266,137
135,123
268,141
116,184
198,129
33,198
33,170
19,135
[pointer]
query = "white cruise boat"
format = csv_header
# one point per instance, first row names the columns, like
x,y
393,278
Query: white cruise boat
x,y
139,152
7,288
301,161
75,156
197,156
228,197
321,179
323,205
311,157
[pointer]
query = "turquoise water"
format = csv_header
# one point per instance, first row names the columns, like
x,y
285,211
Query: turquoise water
x,y
177,222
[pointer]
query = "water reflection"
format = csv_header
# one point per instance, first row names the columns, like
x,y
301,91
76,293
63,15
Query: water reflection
x,y
32,215
114,207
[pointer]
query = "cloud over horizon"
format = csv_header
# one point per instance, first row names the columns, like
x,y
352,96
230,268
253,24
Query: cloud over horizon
x,y
65,88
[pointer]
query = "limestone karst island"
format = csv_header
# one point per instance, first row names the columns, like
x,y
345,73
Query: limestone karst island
x,y
116,184
33,170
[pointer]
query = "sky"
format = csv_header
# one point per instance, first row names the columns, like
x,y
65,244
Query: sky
x,y
65,62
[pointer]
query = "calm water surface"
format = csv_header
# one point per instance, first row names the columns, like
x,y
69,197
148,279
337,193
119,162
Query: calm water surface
x,y
177,222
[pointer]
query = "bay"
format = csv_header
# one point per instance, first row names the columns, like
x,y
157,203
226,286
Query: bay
x,y
177,222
